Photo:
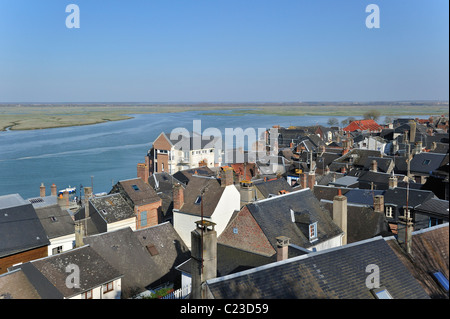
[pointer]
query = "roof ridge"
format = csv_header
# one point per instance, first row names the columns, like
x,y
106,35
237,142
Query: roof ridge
x,y
290,260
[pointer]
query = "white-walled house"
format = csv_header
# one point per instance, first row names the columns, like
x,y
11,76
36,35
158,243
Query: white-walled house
x,y
215,200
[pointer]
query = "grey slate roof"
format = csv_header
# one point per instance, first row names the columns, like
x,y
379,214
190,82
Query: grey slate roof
x,y
338,273
272,187
426,162
273,215
112,207
15,285
12,200
435,207
56,222
130,253
13,223
94,271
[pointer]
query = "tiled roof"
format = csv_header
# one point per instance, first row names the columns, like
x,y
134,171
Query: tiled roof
x,y
338,273
363,125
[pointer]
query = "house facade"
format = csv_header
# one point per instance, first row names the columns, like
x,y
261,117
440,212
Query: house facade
x,y
174,153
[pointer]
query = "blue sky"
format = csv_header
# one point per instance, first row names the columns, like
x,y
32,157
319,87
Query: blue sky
x,y
223,51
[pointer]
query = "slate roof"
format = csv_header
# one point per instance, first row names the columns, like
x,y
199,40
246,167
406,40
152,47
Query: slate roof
x,y
170,248
345,181
12,200
338,273
56,222
211,196
272,187
426,162
13,221
94,270
15,285
362,222
112,208
383,164
144,194
430,251
192,141
274,217
434,206
124,252
131,253
397,196
185,176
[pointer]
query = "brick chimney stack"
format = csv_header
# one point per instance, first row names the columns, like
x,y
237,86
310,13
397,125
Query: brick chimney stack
x,y
311,180
340,214
378,204
303,180
392,181
42,190
282,247
204,257
53,190
226,176
178,196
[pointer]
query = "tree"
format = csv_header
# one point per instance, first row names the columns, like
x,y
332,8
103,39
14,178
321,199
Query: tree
x,y
372,115
332,121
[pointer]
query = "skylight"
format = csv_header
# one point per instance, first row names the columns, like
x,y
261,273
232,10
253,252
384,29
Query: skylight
x,y
198,200
135,187
381,293
441,279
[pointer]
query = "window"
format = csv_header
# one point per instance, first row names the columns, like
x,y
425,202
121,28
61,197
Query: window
x,y
381,293
87,294
135,187
441,280
103,211
143,218
108,287
53,219
57,250
407,212
198,200
426,162
389,210
313,231
235,230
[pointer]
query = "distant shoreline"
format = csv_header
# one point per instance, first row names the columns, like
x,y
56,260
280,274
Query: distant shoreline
x,y
32,116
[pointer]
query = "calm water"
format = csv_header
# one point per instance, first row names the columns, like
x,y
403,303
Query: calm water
x,y
108,151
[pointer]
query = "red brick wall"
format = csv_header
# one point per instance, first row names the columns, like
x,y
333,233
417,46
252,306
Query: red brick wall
x,y
153,214
249,237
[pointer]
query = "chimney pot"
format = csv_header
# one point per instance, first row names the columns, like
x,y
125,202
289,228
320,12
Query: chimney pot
x,y
282,247
42,190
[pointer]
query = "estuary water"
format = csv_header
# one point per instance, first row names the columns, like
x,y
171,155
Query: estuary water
x,y
103,154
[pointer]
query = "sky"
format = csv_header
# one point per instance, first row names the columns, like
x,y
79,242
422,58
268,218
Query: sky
x,y
223,51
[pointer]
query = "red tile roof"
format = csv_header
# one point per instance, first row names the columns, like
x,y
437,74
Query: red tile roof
x,y
363,125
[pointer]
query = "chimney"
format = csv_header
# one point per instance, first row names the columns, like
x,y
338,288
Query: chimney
x,y
42,190
343,170
412,131
326,170
79,233
143,171
404,233
303,180
311,179
374,166
282,247
340,214
392,181
203,256
66,199
178,196
378,204
87,196
418,147
227,176
53,190
62,202
247,192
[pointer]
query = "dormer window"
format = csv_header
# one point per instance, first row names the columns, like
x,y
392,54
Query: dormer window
x,y
313,231
389,210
